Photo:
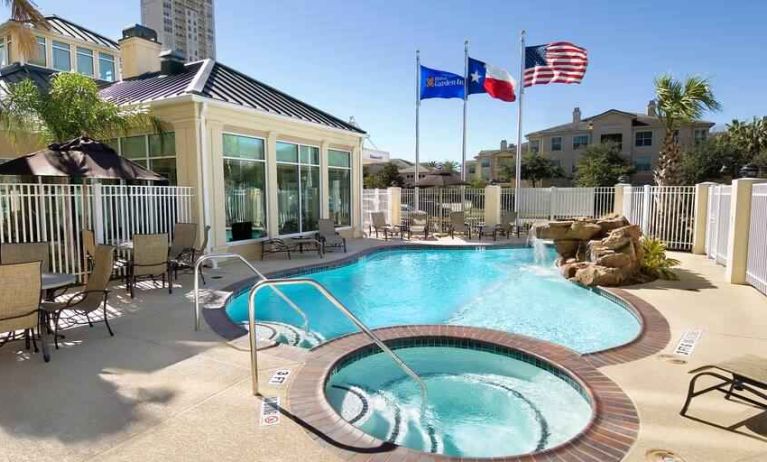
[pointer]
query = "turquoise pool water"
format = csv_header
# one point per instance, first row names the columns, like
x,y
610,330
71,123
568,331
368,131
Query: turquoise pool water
x,y
479,403
502,289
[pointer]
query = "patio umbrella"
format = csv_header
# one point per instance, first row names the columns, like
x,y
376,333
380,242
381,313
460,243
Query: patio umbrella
x,y
79,158
440,179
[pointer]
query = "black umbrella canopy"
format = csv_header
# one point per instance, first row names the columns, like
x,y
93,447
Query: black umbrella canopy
x,y
79,158
440,178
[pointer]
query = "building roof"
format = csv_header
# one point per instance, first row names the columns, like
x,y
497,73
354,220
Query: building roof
x,y
16,73
214,80
69,29
639,119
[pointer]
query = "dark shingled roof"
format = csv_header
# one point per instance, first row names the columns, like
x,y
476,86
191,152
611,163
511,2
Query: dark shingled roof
x,y
214,80
16,73
70,29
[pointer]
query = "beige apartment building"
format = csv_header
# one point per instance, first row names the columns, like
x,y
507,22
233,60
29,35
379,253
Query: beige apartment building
x,y
639,136
488,164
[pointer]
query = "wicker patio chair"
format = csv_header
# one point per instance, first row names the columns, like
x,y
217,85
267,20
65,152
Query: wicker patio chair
x,y
149,260
26,252
378,223
20,285
418,223
93,297
328,235
458,225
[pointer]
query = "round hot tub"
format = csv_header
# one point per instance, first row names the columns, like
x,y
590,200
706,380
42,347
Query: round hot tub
x,y
483,399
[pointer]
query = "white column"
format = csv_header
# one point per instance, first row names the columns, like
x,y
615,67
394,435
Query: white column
x,y
701,218
737,241
618,208
552,202
324,181
271,181
98,213
357,190
492,205
645,225
395,205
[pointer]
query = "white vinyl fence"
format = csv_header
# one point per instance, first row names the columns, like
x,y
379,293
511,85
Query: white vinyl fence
x,y
664,212
756,269
439,202
57,214
718,225
559,203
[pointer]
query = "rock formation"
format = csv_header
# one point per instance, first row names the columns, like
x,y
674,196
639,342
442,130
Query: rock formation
x,y
595,252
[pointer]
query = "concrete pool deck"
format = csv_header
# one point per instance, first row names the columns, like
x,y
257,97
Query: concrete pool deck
x,y
160,390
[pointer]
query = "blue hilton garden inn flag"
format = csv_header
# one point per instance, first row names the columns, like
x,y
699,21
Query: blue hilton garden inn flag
x,y
440,84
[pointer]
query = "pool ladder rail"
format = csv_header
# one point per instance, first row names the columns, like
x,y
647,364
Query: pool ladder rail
x,y
274,285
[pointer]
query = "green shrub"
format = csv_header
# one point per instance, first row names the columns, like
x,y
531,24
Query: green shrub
x,y
655,262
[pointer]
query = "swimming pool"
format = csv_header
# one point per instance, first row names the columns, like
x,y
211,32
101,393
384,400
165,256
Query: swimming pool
x,y
497,288
481,401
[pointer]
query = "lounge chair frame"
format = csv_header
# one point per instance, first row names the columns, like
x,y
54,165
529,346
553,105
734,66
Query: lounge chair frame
x,y
727,386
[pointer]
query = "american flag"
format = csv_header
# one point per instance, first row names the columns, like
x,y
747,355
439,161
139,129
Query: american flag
x,y
556,62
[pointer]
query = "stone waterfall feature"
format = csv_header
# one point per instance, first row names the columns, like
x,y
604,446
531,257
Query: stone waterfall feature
x,y
595,252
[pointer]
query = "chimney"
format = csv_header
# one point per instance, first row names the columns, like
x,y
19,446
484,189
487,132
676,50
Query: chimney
x,y
651,108
504,145
139,51
576,115
171,63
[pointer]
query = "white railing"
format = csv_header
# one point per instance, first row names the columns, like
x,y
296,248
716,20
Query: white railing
x,y
559,203
57,214
374,200
718,225
663,212
439,202
756,269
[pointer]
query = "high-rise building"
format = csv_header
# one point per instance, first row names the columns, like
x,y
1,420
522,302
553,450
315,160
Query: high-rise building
x,y
184,26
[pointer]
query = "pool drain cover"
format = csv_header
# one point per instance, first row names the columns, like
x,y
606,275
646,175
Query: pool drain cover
x,y
662,455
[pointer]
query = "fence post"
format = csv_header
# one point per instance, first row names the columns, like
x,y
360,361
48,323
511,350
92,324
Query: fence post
x,y
701,218
618,205
492,205
98,213
646,209
395,205
552,202
739,223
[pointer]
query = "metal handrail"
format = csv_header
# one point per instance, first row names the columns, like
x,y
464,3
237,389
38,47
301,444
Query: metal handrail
x,y
221,256
341,307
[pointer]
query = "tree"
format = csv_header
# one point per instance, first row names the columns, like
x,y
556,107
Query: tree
x,y
25,14
71,107
387,176
431,164
601,165
678,103
450,166
750,137
534,169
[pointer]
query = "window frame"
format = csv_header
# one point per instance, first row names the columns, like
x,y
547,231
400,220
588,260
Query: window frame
x,y
54,48
648,164
87,53
42,61
581,145
5,46
697,140
350,169
147,159
559,144
534,146
299,164
111,59
641,139
267,209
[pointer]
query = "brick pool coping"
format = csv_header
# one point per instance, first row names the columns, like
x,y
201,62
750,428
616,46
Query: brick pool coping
x,y
608,437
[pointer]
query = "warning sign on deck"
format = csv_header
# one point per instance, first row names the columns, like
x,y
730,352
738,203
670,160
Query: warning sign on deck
x,y
687,342
279,377
270,410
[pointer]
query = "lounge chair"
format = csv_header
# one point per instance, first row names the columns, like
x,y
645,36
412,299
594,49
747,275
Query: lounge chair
x,y
419,223
378,223
182,248
458,225
149,259
508,224
26,252
20,285
747,373
328,236
93,297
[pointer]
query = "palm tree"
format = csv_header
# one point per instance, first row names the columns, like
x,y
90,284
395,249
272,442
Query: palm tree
x,y
450,166
751,137
24,13
678,102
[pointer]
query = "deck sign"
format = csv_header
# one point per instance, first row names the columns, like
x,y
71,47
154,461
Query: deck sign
x,y
687,342
270,410
279,377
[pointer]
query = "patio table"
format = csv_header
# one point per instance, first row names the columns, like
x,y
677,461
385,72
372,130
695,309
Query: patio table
x,y
52,281
310,241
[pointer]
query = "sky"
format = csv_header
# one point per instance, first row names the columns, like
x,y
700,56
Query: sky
x,y
357,58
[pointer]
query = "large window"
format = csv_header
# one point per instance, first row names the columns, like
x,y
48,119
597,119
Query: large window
x,y
155,152
700,135
3,52
85,61
298,188
106,67
642,163
556,143
340,187
61,56
616,138
535,146
580,141
40,58
643,139
244,187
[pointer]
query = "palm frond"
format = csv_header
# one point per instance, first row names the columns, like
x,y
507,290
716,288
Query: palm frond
x,y
24,17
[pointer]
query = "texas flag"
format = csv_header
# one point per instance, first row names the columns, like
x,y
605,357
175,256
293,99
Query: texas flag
x,y
486,78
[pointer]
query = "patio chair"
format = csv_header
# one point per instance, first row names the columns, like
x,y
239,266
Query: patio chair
x,y
378,223
508,225
182,246
459,225
89,249
328,236
26,252
149,260
93,297
746,374
20,285
197,252
418,223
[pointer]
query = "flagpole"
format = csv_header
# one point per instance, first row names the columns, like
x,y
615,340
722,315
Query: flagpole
x,y
518,169
417,127
465,101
